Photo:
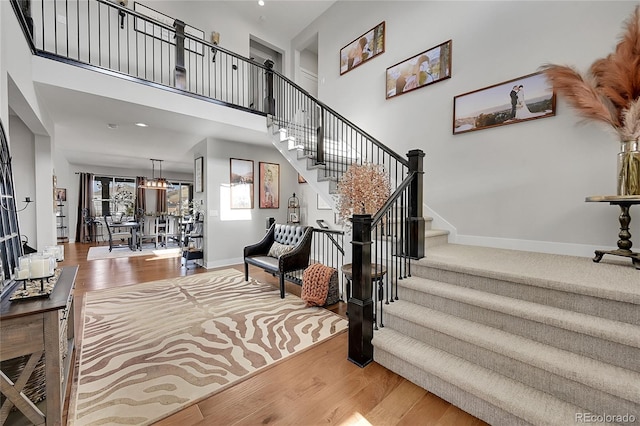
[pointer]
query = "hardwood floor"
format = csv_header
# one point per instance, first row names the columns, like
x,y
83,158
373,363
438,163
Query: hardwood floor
x,y
317,386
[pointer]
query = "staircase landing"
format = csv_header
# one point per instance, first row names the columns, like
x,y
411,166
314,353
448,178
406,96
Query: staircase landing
x,y
612,278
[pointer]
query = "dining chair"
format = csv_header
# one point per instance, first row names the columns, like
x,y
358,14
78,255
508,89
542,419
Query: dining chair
x,y
116,234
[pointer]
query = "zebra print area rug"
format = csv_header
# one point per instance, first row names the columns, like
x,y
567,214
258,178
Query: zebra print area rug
x,y
149,350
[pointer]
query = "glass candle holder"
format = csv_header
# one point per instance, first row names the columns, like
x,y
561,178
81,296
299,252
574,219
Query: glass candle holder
x,y
42,265
22,270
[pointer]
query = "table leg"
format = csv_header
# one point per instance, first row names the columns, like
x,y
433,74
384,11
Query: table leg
x,y
624,243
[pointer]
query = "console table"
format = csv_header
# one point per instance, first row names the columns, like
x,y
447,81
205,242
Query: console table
x,y
35,327
624,243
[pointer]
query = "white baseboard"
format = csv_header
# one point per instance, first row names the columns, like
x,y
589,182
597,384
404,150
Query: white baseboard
x,y
223,262
568,249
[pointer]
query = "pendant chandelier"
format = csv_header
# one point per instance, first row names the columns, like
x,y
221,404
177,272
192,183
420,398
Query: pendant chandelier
x,y
154,182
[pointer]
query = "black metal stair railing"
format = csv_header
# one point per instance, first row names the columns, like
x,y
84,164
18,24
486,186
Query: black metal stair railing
x,y
326,137
109,38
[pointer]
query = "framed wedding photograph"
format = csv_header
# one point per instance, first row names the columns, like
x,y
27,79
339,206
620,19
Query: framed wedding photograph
x,y
241,183
269,194
363,48
198,177
421,70
522,99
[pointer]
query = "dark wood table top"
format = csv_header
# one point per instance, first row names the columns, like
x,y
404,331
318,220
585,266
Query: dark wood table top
x,y
56,300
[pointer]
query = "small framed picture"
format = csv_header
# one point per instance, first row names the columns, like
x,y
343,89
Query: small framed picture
x,y
197,175
269,195
421,70
61,194
241,180
363,48
301,179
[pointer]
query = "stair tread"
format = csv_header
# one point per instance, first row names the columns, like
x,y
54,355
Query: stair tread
x,y
610,279
532,405
597,374
616,331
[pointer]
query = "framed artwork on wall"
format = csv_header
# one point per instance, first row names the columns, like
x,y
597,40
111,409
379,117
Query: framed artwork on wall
x,y
61,194
301,179
198,177
425,68
241,183
522,99
363,48
269,194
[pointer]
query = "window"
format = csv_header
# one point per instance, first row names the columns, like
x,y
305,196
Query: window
x,y
112,195
10,244
179,195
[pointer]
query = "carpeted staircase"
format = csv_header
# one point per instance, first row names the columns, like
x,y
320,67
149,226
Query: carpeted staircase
x,y
512,337
517,337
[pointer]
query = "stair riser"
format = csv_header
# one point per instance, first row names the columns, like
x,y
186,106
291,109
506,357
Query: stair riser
x,y
603,350
433,241
603,308
456,396
567,390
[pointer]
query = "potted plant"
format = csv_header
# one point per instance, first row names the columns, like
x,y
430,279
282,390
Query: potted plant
x,y
610,93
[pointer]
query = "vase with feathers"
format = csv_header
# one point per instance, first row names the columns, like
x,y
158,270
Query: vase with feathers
x,y
610,93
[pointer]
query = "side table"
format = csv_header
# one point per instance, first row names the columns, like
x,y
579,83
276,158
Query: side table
x,y
624,243
377,275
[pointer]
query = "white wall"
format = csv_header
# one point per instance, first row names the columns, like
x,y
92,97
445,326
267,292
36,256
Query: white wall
x,y
229,231
23,167
521,185
18,93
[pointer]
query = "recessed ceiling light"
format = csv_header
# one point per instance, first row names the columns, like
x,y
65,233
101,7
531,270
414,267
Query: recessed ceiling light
x,y
261,2
112,126
142,125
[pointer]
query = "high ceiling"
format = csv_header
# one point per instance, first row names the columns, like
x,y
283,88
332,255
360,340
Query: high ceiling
x,y
82,120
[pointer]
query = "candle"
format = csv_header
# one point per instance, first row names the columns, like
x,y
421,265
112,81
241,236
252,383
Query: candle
x,y
41,266
38,268
23,262
22,274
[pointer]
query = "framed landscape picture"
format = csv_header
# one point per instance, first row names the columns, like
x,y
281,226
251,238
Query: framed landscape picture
x,y
522,99
425,68
241,182
363,48
269,194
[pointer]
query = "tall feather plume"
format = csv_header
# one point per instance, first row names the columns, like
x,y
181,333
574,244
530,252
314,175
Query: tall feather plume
x,y
581,95
618,75
631,122
609,92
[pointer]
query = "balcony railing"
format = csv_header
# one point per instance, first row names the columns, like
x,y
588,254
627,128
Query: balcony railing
x,y
104,36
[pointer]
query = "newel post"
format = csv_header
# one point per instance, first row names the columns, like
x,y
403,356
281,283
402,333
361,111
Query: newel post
x,y
415,224
269,100
180,71
360,304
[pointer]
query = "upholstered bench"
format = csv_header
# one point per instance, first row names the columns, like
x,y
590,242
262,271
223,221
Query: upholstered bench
x,y
283,249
